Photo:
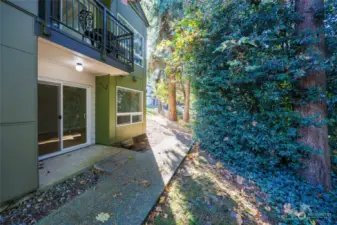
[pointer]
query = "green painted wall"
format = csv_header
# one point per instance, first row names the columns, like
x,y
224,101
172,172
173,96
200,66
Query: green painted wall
x,y
128,131
139,72
112,107
102,110
18,99
107,132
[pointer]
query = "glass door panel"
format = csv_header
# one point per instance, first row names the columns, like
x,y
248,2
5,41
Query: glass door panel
x,y
48,119
74,116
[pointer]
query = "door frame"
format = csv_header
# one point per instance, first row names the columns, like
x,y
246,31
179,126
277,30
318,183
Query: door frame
x,y
61,83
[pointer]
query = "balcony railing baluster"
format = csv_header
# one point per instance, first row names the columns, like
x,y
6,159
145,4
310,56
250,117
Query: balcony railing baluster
x,y
104,32
93,24
73,12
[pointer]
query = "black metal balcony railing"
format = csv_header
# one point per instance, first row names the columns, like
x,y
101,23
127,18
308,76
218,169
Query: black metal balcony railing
x,y
93,24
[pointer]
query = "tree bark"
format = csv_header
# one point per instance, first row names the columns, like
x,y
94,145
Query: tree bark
x,y
317,169
160,107
187,91
172,102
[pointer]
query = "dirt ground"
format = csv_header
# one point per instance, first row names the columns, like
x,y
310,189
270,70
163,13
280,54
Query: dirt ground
x,y
203,192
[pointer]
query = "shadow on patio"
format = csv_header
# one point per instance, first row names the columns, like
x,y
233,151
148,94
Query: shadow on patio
x,y
133,183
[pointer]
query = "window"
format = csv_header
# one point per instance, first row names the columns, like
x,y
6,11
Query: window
x,y
138,42
129,106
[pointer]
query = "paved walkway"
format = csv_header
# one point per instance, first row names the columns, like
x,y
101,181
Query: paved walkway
x,y
135,182
62,167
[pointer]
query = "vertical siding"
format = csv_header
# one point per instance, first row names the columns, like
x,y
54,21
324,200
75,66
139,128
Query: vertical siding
x,y
18,101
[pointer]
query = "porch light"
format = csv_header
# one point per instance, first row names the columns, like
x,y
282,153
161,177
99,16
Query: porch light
x,y
79,67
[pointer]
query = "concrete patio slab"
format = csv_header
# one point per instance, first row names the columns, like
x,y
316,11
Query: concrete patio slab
x,y
61,167
133,186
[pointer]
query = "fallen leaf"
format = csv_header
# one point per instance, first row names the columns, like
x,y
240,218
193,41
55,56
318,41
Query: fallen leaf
x,y
152,216
219,165
162,199
83,182
190,156
167,188
116,195
165,215
103,217
145,183
287,209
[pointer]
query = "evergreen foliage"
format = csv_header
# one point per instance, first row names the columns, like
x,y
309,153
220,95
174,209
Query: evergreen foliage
x,y
245,79
245,63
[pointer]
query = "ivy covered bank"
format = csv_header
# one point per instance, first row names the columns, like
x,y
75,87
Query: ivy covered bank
x,y
263,75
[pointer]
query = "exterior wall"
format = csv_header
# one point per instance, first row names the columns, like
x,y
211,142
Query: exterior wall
x,y
136,22
49,70
127,131
18,99
108,133
18,95
139,72
105,133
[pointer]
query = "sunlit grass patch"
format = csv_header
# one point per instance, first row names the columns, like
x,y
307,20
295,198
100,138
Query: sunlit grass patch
x,y
200,194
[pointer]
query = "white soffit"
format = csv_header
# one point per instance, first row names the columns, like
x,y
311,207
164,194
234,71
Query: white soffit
x,y
64,56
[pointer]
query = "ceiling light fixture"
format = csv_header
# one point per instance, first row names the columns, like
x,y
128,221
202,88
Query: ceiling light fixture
x,y
79,67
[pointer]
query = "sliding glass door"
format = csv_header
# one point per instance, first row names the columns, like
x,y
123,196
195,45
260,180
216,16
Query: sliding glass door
x,y
62,118
49,112
74,116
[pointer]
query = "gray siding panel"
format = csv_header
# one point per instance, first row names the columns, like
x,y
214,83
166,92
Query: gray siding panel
x,y
1,4
18,101
17,173
16,26
29,5
18,86
1,21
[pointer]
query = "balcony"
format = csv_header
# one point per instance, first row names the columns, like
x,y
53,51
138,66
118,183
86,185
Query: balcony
x,y
89,28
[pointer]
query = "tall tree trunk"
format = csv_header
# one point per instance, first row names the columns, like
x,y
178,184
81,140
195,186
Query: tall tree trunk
x,y
317,169
160,107
187,89
172,103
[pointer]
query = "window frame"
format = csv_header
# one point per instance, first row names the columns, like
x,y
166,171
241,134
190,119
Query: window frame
x,y
143,42
129,113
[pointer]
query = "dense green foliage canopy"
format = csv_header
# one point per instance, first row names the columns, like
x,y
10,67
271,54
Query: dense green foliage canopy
x,y
246,61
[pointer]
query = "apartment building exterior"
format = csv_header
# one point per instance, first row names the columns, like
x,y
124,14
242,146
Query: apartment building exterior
x,y
72,74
